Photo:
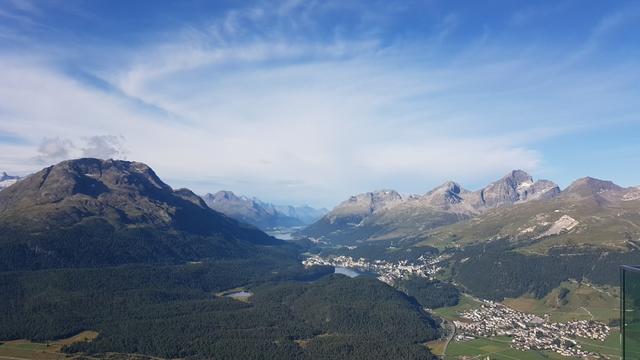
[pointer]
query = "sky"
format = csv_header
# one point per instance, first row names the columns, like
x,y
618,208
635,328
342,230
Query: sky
x,y
308,102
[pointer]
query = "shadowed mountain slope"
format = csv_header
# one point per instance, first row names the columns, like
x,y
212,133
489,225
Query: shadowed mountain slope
x,y
91,212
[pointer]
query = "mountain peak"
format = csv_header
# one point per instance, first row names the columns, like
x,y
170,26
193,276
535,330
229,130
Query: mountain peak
x,y
222,195
444,196
518,177
449,186
114,212
261,214
515,187
589,185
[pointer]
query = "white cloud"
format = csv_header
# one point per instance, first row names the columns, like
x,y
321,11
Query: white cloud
x,y
104,147
308,121
52,150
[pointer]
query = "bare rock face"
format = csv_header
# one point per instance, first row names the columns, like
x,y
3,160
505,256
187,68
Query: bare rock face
x,y
447,194
632,194
515,187
349,217
358,207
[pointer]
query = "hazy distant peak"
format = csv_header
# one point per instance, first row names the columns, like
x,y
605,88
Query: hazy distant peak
x,y
451,187
7,180
259,213
222,195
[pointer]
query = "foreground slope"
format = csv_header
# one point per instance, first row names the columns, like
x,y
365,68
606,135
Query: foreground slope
x,y
91,212
172,312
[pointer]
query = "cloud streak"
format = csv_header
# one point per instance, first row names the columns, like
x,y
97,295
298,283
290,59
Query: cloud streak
x,y
255,102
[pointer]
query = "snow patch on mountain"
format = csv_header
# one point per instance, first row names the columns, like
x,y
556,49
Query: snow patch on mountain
x,y
565,223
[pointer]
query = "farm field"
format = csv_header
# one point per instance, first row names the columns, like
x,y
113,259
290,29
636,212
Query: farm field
x,y
498,348
24,349
610,347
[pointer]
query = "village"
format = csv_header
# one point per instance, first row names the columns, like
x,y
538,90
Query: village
x,y
529,332
387,272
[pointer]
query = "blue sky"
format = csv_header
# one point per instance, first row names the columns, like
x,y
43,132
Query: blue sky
x,y
311,101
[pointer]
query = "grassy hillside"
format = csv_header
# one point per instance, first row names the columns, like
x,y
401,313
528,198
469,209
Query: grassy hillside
x,y
612,225
572,301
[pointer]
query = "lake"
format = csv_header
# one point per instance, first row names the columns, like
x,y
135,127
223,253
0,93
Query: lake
x,y
346,271
240,294
284,233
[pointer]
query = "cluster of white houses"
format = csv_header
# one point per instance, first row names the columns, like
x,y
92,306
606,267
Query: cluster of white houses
x,y
387,271
529,332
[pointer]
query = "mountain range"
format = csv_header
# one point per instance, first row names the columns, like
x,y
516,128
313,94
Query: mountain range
x,y
386,214
91,212
589,213
263,215
513,207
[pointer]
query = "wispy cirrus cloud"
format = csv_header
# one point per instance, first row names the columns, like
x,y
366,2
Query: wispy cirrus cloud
x,y
265,100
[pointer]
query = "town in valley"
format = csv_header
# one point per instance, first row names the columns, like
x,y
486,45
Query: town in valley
x,y
527,331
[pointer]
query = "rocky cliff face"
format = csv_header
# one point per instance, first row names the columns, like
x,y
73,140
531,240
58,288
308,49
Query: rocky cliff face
x,y
515,187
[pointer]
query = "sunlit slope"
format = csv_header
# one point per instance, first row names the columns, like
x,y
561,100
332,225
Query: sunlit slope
x,y
589,213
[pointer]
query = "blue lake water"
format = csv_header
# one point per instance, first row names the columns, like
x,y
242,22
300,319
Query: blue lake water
x,y
284,233
346,271
239,294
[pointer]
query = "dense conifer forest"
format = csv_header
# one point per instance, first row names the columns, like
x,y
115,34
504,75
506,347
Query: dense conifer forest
x,y
177,311
494,271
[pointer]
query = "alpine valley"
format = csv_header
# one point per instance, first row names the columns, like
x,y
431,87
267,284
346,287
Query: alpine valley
x,y
106,249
